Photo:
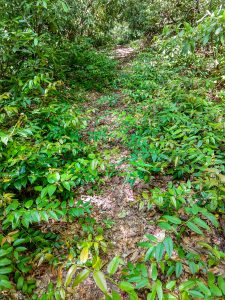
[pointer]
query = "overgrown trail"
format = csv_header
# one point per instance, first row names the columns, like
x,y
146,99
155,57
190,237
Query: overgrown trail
x,y
117,203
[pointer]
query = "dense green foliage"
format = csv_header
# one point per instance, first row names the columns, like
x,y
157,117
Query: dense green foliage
x,y
52,58
178,131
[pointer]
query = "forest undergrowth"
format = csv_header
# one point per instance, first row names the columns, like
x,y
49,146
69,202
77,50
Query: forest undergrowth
x,y
112,168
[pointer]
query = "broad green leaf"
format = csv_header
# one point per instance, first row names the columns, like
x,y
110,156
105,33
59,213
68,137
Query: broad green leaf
x,y
20,282
29,203
51,189
99,279
70,274
66,185
149,254
21,249
94,164
116,296
53,178
44,192
211,278
168,242
5,262
193,267
5,284
203,288
81,277
194,227
126,286
173,219
201,223
159,289
178,269
159,249
171,284
53,215
151,237
152,295
165,226
133,295
215,290
113,265
143,283
96,263
65,6
187,285
154,271
196,294
6,270
221,284
210,217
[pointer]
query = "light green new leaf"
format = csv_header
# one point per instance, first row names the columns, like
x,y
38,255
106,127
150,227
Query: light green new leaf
x,y
221,284
66,185
51,189
126,286
81,277
113,265
100,280
70,274
159,289
115,296
154,271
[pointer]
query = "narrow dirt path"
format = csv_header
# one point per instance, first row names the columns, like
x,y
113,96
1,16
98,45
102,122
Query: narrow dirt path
x,y
117,201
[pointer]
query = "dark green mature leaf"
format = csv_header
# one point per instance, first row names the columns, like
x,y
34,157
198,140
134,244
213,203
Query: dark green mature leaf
x,y
100,280
81,277
113,265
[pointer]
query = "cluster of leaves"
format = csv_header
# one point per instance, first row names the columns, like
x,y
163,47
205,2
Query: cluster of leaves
x,y
149,17
175,128
175,132
207,34
43,155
